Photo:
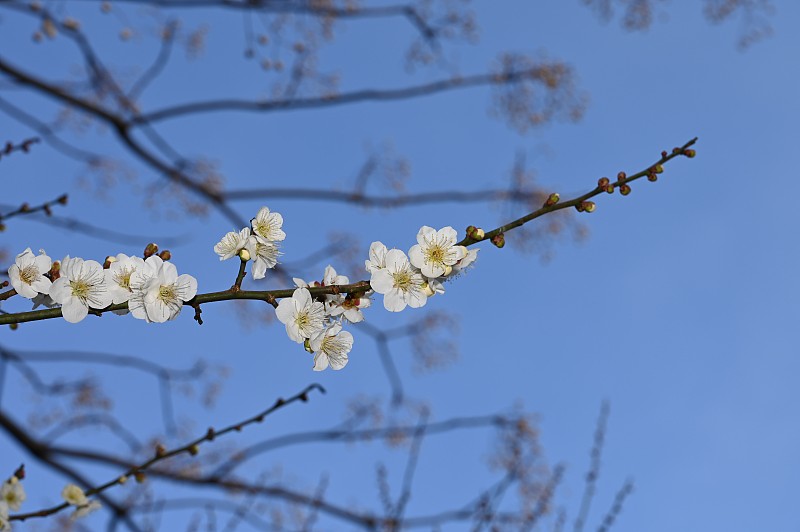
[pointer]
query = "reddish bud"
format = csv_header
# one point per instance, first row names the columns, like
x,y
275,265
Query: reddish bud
x,y
150,250
689,153
603,182
62,199
499,240
622,176
165,255
624,190
552,199
140,477
20,472
160,450
664,154
652,177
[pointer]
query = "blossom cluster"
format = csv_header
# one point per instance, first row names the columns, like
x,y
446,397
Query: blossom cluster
x,y
152,287
259,244
403,280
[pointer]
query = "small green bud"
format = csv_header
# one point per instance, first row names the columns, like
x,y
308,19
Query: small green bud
x,y
499,240
552,199
307,345
624,190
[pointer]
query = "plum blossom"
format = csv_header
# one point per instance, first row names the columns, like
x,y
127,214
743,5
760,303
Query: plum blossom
x,y
267,225
82,284
377,257
330,347
350,308
436,251
232,243
467,262
158,292
27,274
118,276
12,493
74,495
4,523
85,509
264,255
401,284
302,315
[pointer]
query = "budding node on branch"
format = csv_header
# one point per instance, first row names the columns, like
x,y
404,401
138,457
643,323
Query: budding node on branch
x,y
689,153
588,206
122,479
652,177
622,176
603,182
160,450
475,233
165,255
194,450
624,190
140,477
552,199
499,240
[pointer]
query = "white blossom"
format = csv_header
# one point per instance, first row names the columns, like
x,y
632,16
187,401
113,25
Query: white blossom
x,y
118,276
12,493
350,308
377,257
82,285
302,315
267,225
264,255
232,243
74,495
466,262
85,509
159,292
27,274
400,283
4,523
436,251
330,347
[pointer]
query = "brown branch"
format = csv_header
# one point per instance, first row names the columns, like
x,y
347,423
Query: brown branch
x,y
137,471
359,96
495,235
45,207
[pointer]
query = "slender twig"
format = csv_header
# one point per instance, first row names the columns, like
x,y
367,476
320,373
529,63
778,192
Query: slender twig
x,y
45,207
360,287
594,468
191,448
23,146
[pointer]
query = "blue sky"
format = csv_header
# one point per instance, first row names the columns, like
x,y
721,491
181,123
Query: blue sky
x,y
680,308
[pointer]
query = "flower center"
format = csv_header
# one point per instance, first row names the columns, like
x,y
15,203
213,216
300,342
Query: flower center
x,y
80,289
167,293
123,278
29,274
302,320
263,228
435,254
333,346
402,280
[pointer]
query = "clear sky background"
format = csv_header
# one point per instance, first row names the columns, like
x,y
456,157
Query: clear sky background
x,y
680,308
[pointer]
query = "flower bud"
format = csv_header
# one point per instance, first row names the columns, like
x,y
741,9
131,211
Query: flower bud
x,y
652,177
160,450
475,233
109,260
552,199
589,206
13,326
140,477
624,190
244,255
194,450
658,169
307,345
122,480
499,240
603,182
622,176
150,250
689,153
609,188
55,270
165,255
427,289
